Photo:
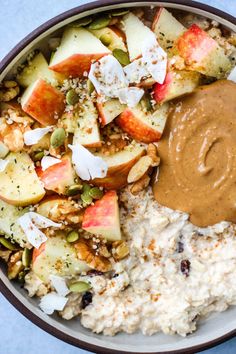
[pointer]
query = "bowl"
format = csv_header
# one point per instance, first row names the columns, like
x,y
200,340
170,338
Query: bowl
x,y
218,327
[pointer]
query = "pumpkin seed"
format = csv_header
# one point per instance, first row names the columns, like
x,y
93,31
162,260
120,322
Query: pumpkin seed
x,y
90,87
106,39
72,97
58,137
38,155
86,188
26,257
86,198
79,287
3,150
146,102
7,244
21,276
74,189
82,22
72,236
119,12
121,56
96,193
100,22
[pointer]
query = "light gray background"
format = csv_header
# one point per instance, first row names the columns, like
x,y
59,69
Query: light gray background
x,y
17,19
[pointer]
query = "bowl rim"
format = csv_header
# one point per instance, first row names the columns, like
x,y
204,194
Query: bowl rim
x,y
4,290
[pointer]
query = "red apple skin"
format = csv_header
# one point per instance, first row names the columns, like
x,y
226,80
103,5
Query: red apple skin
x,y
57,177
161,90
76,64
136,128
38,251
45,104
119,32
156,18
195,45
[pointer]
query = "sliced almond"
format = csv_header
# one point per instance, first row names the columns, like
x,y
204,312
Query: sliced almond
x,y
139,169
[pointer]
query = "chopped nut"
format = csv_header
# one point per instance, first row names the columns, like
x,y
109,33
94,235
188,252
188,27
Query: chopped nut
x,y
139,169
152,152
120,250
103,251
5,255
140,184
15,265
9,90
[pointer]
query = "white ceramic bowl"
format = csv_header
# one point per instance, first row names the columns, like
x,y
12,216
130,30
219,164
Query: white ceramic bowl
x,y
216,329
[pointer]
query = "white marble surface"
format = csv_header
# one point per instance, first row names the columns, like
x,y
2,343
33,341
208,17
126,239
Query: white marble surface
x,y
17,19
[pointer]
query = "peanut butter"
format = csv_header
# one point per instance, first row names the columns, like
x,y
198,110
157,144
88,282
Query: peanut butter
x,y
198,155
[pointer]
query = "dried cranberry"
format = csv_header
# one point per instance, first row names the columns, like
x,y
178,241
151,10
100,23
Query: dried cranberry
x,y
180,247
94,272
86,299
185,267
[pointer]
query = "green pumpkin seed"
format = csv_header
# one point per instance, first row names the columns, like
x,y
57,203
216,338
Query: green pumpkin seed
x,y
82,22
121,56
96,193
86,188
79,287
57,138
72,97
26,257
3,150
38,155
21,276
90,87
106,39
119,12
7,244
86,198
146,102
72,236
100,22
74,189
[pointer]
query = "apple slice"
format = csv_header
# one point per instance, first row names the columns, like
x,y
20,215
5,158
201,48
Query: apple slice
x,y
177,83
166,28
57,256
109,110
87,131
43,102
110,34
19,183
143,126
202,53
77,50
57,177
136,35
37,68
119,165
103,218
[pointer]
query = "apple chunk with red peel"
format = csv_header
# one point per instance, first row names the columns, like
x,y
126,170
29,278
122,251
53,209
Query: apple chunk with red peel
x,y
77,50
166,28
109,110
57,177
43,102
146,127
202,53
103,217
119,165
177,83
19,183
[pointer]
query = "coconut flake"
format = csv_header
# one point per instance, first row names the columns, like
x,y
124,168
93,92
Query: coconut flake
x,y
48,161
30,224
107,76
155,59
52,302
232,75
32,137
130,96
87,166
59,285
136,71
3,164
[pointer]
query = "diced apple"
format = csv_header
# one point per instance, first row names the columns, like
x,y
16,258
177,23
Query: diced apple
x,y
202,53
116,41
103,218
177,83
77,49
119,165
87,131
37,68
136,34
43,102
144,126
166,28
57,177
109,110
19,183
57,256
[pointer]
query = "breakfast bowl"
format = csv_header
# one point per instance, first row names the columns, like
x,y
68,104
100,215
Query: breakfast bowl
x,y
211,330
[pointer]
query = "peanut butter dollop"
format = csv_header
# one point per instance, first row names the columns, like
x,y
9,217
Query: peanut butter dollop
x,y
198,155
